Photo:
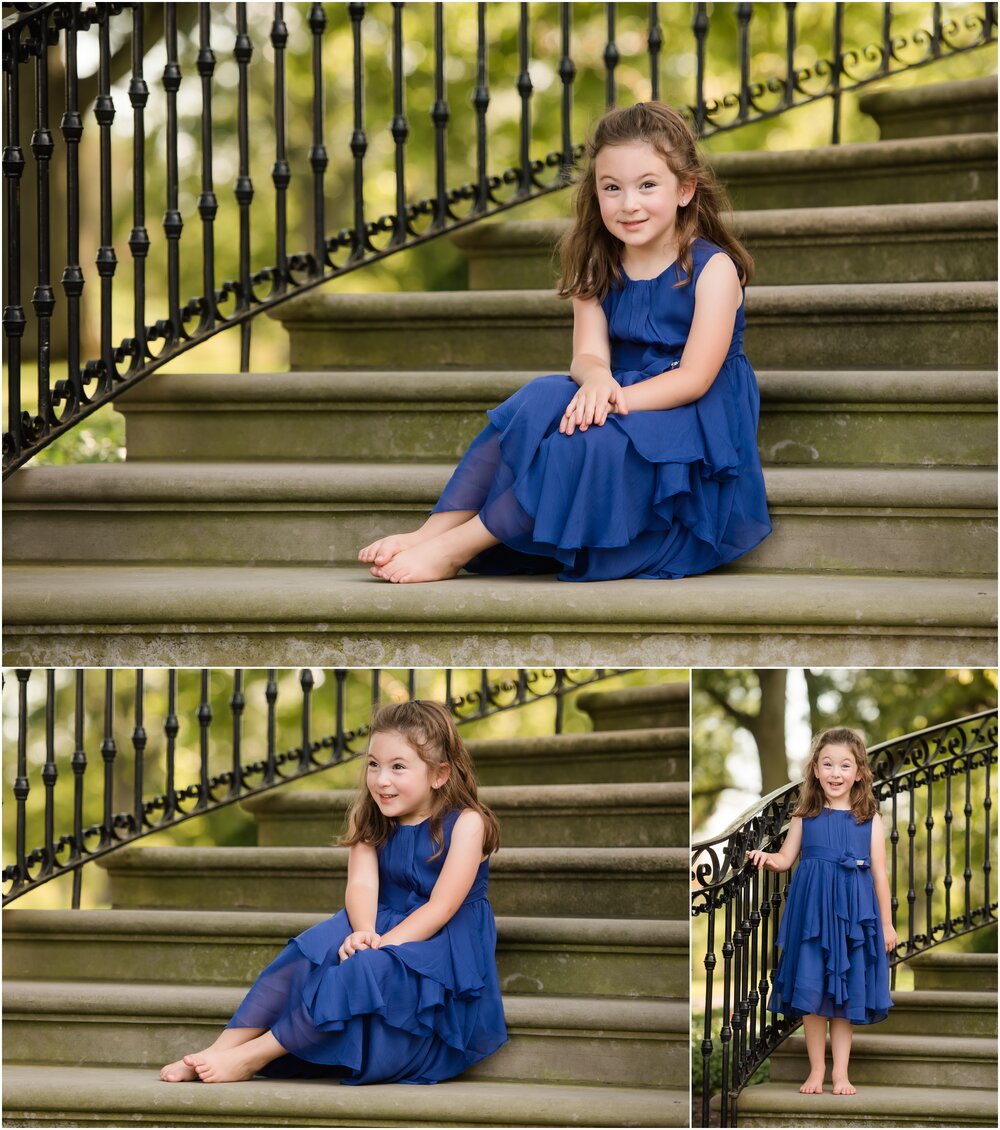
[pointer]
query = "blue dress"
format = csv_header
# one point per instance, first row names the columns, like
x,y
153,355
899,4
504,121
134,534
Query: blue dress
x,y
419,1012
833,960
666,493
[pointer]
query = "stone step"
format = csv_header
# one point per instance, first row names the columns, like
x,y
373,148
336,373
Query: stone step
x,y
638,708
958,972
882,243
110,1096
632,1043
864,416
926,1061
884,325
644,814
565,882
928,1012
644,958
859,520
941,109
780,1104
905,171
272,616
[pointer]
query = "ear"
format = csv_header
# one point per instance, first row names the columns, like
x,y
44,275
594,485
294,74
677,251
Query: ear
x,y
688,190
441,775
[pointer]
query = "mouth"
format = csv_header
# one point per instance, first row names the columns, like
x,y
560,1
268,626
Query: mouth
x,y
632,225
385,798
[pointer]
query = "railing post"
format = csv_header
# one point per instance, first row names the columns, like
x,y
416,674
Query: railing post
x,y
139,749
13,313
138,240
439,116
237,704
481,102
43,299
359,140
109,751
281,173
567,74
71,127
242,53
208,204
173,221
525,88
399,126
50,774
318,159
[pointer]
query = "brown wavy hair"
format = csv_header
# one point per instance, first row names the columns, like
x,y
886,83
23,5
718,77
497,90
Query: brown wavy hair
x,y
811,798
591,255
428,728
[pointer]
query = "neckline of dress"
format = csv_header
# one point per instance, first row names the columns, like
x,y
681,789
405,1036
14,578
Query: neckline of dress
x,y
655,278
827,808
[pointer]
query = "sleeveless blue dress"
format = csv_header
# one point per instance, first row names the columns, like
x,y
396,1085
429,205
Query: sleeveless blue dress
x,y
420,1012
833,960
665,493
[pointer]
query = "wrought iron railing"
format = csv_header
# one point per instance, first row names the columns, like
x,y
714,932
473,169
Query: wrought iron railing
x,y
40,37
245,762
937,771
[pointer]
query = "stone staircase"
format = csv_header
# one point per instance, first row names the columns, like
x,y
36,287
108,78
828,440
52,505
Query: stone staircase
x,y
932,1062
872,325
590,892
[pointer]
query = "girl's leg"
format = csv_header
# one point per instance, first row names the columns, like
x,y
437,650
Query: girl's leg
x,y
815,1030
182,1071
440,557
840,1043
235,1063
382,551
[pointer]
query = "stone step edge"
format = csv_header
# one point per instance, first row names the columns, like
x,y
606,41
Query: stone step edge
x,y
108,999
906,1101
918,220
904,1046
157,596
953,961
129,1090
421,390
315,485
937,999
633,933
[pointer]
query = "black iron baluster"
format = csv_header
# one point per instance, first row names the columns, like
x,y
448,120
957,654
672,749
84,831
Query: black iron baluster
x,y
411,684
271,695
307,682
911,832
790,40
744,13
763,983
654,40
237,704
109,752
13,311
558,692
376,687
22,786
481,101
399,126
71,127
752,995
204,724
359,141
887,38
43,299
439,116
525,87
936,31
171,726
700,28
208,204
929,881
611,60
139,748
987,850
79,766
50,774
567,75
339,742
948,818
243,52
173,222
318,159
138,240
448,699
281,174
967,873
726,1031
107,262
706,1043
837,68
739,975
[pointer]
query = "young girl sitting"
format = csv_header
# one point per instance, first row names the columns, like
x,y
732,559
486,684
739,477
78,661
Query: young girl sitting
x,y
401,986
643,461
837,924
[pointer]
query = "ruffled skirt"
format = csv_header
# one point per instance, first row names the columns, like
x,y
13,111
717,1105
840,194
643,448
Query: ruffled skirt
x,y
421,1012
666,493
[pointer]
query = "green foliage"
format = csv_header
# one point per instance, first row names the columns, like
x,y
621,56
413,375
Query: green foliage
x,y
761,1075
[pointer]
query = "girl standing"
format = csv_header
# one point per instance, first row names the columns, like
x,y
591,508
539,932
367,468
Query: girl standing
x,y
401,986
643,461
837,926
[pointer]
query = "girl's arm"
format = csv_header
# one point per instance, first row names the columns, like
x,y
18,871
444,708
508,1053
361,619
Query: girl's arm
x,y
455,881
718,296
361,900
780,860
599,392
882,882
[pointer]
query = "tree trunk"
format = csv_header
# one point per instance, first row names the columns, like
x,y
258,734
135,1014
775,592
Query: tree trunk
x,y
768,729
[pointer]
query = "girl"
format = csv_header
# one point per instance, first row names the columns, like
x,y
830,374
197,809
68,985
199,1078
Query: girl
x,y
837,926
401,986
643,461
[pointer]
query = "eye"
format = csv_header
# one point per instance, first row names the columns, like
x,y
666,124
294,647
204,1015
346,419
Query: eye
x,y
649,184
399,765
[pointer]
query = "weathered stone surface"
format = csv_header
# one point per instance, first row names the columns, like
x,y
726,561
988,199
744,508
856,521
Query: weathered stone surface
x,y
942,109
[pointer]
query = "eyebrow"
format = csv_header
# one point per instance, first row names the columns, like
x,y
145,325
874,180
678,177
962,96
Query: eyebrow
x,y
641,176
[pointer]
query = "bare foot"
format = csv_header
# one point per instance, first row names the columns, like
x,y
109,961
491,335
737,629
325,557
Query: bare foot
x,y
813,1085
428,562
178,1072
381,552
844,1087
228,1065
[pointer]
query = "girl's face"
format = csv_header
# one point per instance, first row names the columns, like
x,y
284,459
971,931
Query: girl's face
x,y
836,770
401,783
639,197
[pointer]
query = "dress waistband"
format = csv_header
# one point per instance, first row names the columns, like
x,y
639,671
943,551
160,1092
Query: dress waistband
x,y
843,858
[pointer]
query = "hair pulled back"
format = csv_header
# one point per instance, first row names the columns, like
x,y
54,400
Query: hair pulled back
x,y
591,255
428,728
811,797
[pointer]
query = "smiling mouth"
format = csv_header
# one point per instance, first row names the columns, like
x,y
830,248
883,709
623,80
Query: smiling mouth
x,y
387,796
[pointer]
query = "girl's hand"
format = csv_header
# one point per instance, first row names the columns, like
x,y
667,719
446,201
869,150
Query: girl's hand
x,y
763,859
890,937
359,940
594,399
